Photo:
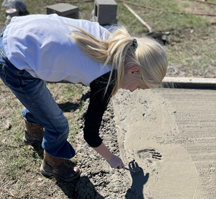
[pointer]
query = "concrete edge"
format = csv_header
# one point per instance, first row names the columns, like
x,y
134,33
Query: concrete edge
x,y
189,82
181,82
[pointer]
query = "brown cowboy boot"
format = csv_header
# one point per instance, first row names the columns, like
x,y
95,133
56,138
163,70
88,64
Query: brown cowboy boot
x,y
52,166
33,133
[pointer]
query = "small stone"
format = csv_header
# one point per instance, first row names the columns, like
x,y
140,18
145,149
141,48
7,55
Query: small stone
x,y
30,147
8,125
115,190
4,141
40,179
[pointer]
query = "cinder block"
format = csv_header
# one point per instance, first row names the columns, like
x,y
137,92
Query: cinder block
x,y
64,9
105,12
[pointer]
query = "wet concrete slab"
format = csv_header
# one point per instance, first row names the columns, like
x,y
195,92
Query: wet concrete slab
x,y
171,134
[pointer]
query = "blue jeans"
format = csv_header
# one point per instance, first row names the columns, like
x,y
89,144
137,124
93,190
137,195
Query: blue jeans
x,y
41,108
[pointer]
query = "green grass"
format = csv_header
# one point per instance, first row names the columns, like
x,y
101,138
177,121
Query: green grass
x,y
159,18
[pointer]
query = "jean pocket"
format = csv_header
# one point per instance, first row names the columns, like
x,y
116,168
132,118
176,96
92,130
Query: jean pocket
x,y
23,73
24,77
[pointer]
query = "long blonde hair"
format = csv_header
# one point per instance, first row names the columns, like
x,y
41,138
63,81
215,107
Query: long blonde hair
x,y
119,52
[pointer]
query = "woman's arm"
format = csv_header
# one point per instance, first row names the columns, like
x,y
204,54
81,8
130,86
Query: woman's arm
x,y
104,151
114,161
97,106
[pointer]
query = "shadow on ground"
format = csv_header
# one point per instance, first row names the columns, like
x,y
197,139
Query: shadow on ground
x,y
80,188
68,106
138,181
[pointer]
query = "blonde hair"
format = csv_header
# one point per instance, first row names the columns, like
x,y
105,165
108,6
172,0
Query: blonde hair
x,y
120,52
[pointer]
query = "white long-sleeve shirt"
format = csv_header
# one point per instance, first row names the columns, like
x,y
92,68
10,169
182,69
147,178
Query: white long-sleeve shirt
x,y
40,44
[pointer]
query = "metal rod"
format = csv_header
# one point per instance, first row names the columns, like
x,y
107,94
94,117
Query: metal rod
x,y
130,170
138,17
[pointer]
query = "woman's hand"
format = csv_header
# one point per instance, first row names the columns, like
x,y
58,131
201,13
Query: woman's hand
x,y
116,162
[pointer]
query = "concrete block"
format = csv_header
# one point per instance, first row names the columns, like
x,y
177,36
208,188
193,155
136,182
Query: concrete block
x,y
64,9
105,12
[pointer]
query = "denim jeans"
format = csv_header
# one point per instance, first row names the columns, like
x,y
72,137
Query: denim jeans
x,y
41,108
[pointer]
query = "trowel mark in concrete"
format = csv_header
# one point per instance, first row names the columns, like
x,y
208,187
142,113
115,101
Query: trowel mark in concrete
x,y
196,119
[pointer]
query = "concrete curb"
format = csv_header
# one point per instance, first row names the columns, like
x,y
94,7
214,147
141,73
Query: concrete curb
x,y
181,82
189,82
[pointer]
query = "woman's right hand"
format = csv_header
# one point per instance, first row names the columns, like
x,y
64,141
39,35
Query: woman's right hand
x,y
116,162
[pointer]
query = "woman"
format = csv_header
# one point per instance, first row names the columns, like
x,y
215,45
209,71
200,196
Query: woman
x,y
39,48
